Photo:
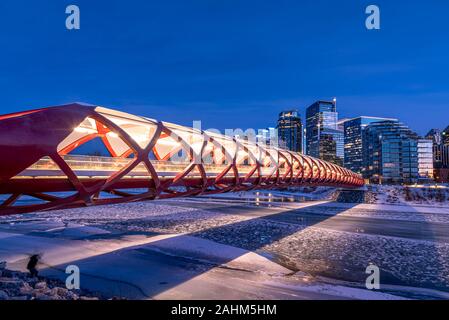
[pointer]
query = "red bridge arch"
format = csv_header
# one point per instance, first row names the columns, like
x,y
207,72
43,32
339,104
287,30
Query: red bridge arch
x,y
148,159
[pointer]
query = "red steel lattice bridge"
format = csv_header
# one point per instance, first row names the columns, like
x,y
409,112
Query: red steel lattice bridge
x,y
44,163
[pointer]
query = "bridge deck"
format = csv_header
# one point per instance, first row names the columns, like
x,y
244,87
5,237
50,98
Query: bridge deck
x,y
46,176
101,167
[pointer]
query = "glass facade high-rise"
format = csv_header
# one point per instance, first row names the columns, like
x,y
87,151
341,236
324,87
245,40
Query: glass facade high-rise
x,y
445,141
331,146
390,153
323,139
353,142
440,142
445,136
437,140
290,130
425,160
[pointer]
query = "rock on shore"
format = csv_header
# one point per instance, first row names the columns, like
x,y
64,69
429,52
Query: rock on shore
x,y
16,285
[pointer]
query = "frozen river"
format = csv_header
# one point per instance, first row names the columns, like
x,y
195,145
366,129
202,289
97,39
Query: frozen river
x,y
241,246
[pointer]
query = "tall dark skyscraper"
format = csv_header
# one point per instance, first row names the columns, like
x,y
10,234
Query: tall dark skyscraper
x,y
290,130
445,156
440,153
353,130
323,139
390,153
437,139
445,136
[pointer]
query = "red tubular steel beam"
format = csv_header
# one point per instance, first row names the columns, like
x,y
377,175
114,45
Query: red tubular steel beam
x,y
36,161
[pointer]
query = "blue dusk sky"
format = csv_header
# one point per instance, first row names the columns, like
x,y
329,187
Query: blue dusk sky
x,y
233,63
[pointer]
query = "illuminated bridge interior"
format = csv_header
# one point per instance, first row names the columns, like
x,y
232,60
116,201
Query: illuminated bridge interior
x,y
42,158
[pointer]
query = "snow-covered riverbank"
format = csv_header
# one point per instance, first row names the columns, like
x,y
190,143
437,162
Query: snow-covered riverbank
x,y
258,246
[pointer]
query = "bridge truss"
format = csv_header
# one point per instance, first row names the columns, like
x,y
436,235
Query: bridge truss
x,y
44,161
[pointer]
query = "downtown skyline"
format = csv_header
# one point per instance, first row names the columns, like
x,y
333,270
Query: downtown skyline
x,y
251,62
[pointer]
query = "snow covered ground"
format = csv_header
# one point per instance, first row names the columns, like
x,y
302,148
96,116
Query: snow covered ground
x,y
435,196
254,245
174,267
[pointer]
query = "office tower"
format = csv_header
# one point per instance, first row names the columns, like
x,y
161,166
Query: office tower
x,y
437,145
425,160
320,115
441,154
331,146
323,139
445,136
390,153
290,130
445,151
353,142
